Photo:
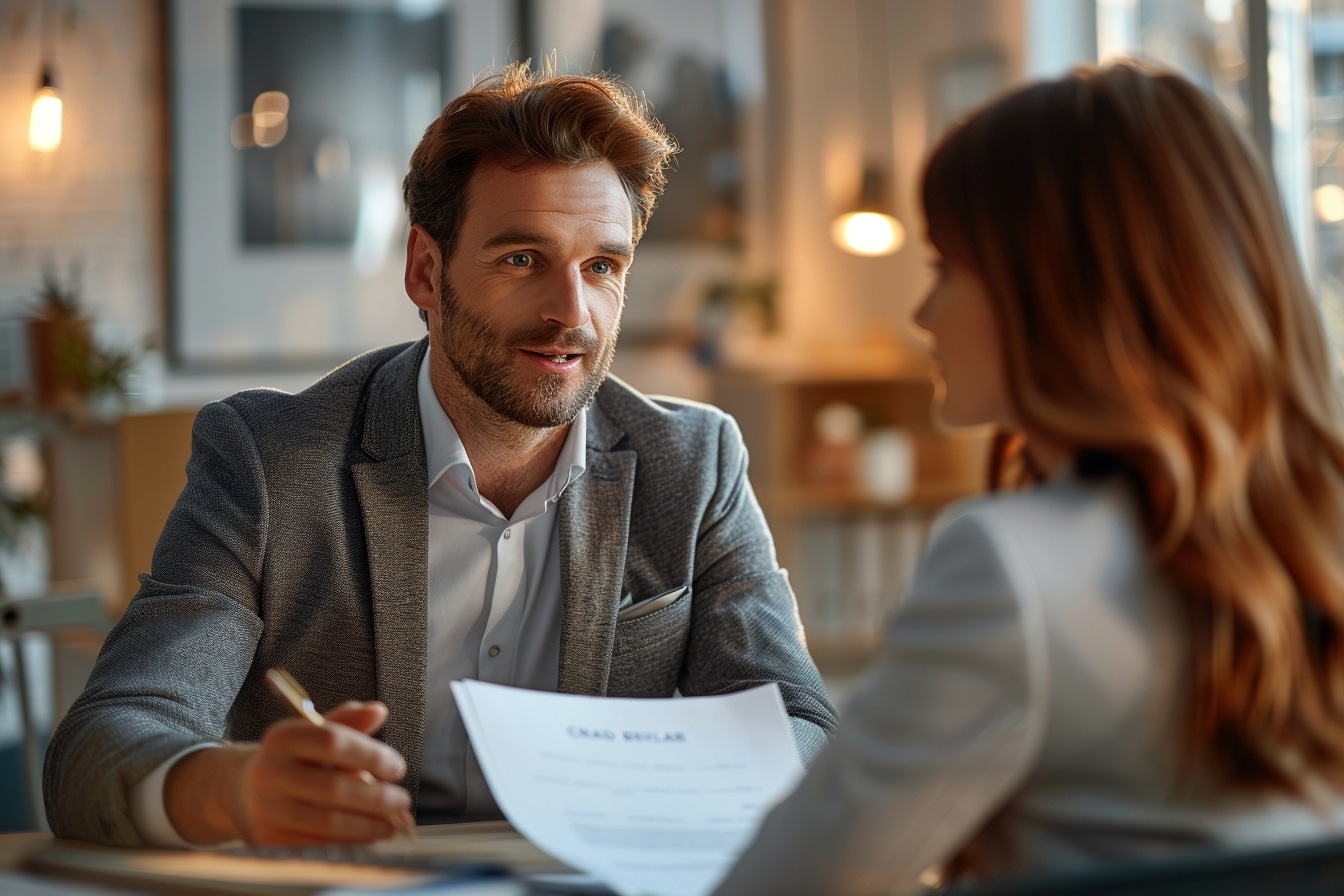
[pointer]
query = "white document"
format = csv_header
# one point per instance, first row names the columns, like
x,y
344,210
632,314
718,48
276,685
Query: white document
x,y
655,797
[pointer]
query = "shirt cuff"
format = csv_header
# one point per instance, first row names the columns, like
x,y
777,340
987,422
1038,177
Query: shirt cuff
x,y
147,810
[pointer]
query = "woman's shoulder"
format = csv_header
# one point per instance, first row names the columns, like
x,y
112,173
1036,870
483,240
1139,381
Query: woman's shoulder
x,y
1065,509
1065,539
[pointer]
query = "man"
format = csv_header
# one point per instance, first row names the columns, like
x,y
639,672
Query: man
x,y
487,505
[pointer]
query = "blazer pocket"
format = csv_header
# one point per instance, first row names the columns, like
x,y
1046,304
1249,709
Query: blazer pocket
x,y
652,604
661,626
650,646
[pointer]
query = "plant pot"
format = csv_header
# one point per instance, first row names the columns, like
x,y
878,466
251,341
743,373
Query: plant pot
x,y
59,347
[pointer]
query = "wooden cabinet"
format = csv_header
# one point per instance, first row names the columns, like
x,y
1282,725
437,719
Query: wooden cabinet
x,y
848,541
112,487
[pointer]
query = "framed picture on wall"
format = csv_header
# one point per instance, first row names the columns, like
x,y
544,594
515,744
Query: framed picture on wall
x,y
701,65
291,125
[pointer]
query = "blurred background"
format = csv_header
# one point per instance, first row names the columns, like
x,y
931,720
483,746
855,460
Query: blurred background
x,y
201,196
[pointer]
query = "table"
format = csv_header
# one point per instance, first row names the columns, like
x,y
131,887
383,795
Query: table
x,y
69,866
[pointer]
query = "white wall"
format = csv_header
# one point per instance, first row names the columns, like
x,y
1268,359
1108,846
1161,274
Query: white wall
x,y
1059,34
832,300
99,199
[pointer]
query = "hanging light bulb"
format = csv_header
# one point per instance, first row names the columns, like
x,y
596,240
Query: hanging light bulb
x,y
869,228
44,125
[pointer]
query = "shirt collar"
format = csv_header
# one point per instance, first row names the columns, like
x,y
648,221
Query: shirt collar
x,y
445,453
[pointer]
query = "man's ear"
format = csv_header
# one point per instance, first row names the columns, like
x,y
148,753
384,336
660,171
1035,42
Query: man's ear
x,y
424,267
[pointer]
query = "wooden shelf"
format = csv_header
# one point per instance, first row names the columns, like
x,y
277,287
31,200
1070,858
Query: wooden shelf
x,y
849,554
859,364
925,497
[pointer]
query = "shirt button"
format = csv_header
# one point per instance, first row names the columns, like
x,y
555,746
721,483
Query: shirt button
x,y
508,533
494,651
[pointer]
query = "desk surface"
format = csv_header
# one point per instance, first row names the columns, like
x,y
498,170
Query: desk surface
x,y
219,873
13,847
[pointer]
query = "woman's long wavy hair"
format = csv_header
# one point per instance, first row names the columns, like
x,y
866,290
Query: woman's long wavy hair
x,y
1156,321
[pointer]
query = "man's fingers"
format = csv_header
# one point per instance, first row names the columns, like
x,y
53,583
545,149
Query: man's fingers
x,y
333,789
333,745
312,784
326,783
366,717
291,822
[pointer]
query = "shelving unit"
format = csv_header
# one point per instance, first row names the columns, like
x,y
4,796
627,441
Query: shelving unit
x,y
849,552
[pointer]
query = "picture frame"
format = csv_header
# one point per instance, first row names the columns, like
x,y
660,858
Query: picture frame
x,y
241,300
244,297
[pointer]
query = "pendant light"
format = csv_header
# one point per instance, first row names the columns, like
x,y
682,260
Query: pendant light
x,y
44,124
869,226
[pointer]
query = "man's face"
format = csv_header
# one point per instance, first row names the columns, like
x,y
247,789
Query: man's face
x,y
531,299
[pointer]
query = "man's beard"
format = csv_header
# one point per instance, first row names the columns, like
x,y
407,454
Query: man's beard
x,y
485,359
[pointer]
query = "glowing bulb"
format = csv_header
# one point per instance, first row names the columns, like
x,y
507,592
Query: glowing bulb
x,y
1329,202
267,136
270,103
270,118
44,127
868,233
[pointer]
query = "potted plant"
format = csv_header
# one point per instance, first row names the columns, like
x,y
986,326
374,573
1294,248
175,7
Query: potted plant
x,y
69,368
58,332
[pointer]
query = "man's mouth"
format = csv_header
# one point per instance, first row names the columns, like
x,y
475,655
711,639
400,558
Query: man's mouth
x,y
556,357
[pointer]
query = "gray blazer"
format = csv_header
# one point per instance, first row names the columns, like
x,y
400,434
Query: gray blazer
x,y
1025,712
301,540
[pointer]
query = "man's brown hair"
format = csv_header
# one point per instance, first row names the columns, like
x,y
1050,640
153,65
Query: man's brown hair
x,y
518,118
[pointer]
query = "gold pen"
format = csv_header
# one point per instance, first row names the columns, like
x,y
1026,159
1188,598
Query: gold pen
x,y
284,686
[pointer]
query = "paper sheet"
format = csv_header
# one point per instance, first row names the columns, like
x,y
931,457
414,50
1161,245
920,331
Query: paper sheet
x,y
656,797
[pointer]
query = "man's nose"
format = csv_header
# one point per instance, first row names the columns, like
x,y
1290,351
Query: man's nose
x,y
567,300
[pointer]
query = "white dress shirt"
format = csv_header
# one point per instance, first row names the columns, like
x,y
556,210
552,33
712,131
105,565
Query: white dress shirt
x,y
494,599
494,613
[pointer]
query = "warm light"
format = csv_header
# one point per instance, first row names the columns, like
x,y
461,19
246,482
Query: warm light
x,y
270,106
44,127
268,136
868,233
270,118
1329,202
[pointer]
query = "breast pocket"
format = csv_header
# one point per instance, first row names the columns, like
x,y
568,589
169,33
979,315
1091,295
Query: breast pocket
x,y
650,645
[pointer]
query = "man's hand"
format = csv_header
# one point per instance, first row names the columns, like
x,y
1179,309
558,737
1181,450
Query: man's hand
x,y
303,783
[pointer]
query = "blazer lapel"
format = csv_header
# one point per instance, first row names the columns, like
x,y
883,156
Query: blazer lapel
x,y
391,487
594,532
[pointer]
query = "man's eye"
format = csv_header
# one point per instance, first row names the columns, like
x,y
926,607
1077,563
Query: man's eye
x,y
520,260
603,267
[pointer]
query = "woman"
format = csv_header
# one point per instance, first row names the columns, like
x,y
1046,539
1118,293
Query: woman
x,y
1140,650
